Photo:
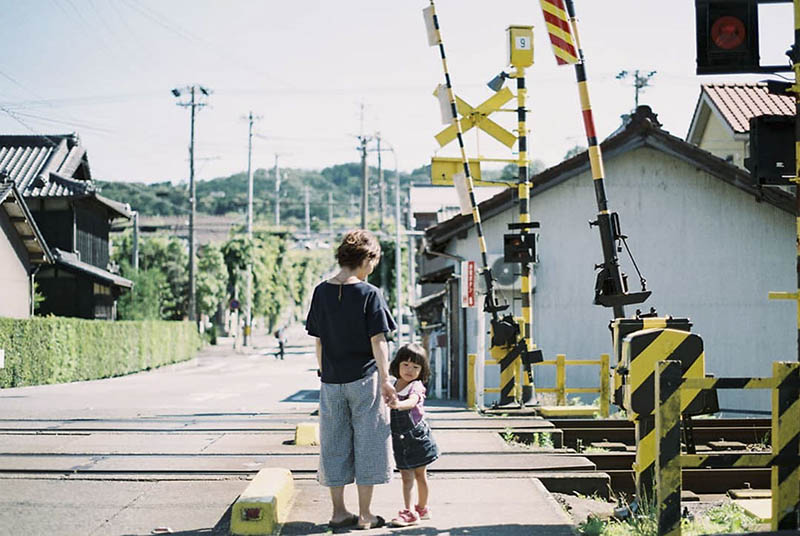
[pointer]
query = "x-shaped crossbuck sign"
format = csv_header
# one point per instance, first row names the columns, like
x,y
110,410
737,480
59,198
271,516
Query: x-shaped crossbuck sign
x,y
479,116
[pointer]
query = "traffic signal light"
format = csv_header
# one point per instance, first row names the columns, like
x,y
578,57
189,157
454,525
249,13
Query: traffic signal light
x,y
519,247
772,151
727,36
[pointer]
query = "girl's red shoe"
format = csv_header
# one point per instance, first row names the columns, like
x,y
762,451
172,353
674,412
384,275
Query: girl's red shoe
x,y
405,517
423,512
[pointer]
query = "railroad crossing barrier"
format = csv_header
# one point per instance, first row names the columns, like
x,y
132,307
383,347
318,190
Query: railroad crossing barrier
x,y
621,328
671,388
561,408
640,352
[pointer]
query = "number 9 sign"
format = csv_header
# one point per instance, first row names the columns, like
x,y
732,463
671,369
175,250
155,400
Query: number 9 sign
x,y
520,41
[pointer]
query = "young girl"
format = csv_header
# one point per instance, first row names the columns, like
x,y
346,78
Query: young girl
x,y
414,447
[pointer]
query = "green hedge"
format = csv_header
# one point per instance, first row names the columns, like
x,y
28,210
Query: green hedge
x,y
56,349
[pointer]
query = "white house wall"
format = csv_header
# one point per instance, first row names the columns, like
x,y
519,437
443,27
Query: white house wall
x,y
709,252
14,282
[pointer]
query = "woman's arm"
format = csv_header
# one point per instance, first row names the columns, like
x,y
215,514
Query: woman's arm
x,y
380,350
319,352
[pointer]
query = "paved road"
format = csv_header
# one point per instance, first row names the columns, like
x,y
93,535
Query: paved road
x,y
171,449
209,409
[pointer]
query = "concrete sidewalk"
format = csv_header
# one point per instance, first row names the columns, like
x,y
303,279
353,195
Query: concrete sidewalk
x,y
172,449
484,506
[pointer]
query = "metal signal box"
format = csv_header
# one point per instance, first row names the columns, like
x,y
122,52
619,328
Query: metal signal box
x,y
520,46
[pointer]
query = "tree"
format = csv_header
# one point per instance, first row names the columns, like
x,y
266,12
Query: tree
x,y
511,171
212,279
162,254
576,150
145,301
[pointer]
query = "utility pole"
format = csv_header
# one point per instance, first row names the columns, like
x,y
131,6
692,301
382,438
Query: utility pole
x,y
308,214
362,140
364,181
330,213
248,318
640,81
194,105
381,183
135,255
381,199
277,173
412,293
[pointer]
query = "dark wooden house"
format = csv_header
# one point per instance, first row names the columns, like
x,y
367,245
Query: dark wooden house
x,y
52,173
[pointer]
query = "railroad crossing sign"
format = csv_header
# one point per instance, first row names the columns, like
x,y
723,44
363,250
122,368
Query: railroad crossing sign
x,y
479,116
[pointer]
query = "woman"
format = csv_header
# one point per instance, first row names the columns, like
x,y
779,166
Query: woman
x,y
349,319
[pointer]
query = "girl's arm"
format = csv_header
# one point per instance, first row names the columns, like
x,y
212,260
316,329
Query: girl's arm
x,y
319,352
408,403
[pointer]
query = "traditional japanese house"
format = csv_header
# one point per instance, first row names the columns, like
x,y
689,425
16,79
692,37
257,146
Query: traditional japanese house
x,y
52,174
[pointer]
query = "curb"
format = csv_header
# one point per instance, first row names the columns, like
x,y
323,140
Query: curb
x,y
306,434
264,504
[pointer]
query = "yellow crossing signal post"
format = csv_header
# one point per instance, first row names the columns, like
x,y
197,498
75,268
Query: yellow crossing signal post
x,y
512,347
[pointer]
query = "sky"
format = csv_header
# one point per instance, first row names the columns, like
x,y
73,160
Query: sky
x,y
319,73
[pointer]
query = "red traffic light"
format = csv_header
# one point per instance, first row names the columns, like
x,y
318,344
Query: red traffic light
x,y
728,32
727,36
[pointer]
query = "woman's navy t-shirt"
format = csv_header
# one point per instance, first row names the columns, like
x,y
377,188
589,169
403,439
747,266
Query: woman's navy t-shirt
x,y
345,318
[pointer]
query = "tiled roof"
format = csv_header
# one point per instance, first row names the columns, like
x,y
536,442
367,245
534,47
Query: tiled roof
x,y
30,162
19,215
51,166
737,103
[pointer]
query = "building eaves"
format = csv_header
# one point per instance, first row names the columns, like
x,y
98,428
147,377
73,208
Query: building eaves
x,y
642,130
22,220
70,262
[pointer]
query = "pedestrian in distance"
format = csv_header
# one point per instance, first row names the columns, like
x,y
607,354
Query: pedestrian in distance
x,y
412,441
280,334
350,319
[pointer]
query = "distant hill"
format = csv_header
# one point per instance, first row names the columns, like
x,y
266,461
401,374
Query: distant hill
x,y
228,195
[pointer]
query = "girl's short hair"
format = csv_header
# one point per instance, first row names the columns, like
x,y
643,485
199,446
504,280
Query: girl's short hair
x,y
357,246
417,355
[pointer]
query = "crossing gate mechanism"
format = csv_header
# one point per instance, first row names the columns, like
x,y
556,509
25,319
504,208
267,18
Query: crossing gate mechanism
x,y
641,350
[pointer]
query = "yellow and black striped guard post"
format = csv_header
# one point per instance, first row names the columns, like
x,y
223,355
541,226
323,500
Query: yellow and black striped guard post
x,y
641,352
621,328
786,445
784,458
668,458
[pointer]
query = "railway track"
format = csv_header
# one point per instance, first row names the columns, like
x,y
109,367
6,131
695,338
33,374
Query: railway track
x,y
227,446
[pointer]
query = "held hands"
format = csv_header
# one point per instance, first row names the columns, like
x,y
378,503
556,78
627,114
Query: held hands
x,y
389,394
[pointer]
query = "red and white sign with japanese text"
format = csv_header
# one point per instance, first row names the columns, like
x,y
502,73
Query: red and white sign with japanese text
x,y
467,284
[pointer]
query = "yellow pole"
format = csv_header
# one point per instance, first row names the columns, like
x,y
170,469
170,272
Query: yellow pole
x,y
561,379
471,385
605,373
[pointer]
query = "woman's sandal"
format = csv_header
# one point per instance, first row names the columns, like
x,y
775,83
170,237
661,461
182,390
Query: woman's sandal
x,y
346,522
379,522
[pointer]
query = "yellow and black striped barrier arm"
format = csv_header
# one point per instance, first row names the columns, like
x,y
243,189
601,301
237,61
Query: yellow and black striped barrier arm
x,y
610,290
430,12
610,261
668,458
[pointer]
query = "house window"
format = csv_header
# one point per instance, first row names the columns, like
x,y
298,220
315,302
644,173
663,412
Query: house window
x,y
101,290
